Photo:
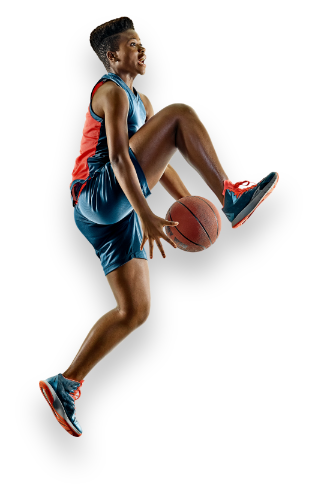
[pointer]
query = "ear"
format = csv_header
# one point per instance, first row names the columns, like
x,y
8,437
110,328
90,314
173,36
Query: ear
x,y
111,56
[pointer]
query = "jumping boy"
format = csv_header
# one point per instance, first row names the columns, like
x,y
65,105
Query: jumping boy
x,y
125,151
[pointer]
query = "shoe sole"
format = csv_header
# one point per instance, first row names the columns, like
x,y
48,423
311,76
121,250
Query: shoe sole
x,y
57,408
241,218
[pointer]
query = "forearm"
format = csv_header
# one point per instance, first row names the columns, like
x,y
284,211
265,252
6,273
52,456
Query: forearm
x,y
128,180
173,184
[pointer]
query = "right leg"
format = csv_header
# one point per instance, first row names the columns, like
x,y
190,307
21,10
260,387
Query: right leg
x,y
177,127
130,285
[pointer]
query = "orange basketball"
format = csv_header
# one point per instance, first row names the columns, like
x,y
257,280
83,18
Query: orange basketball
x,y
199,223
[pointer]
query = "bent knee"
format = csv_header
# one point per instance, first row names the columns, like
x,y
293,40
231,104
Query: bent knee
x,y
142,314
182,109
137,315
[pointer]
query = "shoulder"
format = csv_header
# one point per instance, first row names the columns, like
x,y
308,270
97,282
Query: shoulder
x,y
109,95
111,89
148,106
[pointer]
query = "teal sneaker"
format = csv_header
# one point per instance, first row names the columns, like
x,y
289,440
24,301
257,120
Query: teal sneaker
x,y
240,203
60,393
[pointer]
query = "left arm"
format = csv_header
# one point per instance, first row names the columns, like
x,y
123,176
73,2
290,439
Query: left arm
x,y
170,180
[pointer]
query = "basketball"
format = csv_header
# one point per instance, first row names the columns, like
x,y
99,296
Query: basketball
x,y
199,223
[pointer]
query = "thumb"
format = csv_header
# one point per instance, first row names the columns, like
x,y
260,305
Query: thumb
x,y
172,223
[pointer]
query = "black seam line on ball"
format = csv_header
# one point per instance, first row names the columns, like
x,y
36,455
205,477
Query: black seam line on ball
x,y
175,227
217,223
196,219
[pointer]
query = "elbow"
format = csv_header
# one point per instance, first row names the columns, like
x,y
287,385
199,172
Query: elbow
x,y
117,158
114,159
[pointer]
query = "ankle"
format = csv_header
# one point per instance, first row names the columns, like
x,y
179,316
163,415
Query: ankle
x,y
72,375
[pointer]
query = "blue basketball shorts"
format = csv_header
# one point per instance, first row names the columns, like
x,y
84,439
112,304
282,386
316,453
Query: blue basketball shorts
x,y
108,221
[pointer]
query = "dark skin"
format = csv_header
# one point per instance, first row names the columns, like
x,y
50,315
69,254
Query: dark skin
x,y
170,179
176,127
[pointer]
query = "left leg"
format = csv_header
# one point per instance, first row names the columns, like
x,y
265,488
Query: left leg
x,y
131,289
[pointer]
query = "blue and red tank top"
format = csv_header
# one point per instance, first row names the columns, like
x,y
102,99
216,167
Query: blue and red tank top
x,y
94,150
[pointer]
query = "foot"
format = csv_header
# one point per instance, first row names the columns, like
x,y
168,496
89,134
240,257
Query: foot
x,y
240,203
61,393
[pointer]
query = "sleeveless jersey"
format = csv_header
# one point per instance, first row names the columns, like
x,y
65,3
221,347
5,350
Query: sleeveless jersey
x,y
94,150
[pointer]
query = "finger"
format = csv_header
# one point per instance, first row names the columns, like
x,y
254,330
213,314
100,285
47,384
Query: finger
x,y
170,241
143,242
151,247
171,223
161,249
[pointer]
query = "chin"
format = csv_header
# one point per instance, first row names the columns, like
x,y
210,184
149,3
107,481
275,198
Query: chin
x,y
141,69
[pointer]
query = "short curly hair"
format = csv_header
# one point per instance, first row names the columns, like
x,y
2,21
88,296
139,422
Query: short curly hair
x,y
106,37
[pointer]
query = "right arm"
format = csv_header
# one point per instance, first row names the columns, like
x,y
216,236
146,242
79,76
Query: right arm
x,y
116,110
115,106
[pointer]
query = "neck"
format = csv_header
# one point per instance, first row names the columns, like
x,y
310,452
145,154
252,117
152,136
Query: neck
x,y
128,78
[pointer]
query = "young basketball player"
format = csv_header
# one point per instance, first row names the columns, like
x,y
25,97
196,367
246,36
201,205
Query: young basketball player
x,y
125,152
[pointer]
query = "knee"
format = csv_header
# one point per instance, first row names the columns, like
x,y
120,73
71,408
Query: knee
x,y
182,110
137,315
142,313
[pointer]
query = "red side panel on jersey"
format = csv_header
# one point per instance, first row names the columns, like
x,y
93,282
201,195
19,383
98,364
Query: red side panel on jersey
x,y
89,143
88,147
97,87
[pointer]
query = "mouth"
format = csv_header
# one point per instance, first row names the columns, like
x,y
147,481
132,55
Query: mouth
x,y
141,61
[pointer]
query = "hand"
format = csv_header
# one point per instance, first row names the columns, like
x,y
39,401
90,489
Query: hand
x,y
152,227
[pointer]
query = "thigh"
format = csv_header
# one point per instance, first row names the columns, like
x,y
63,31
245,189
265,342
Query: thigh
x,y
114,244
130,284
102,200
155,142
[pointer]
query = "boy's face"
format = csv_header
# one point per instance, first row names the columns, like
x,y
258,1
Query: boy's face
x,y
130,55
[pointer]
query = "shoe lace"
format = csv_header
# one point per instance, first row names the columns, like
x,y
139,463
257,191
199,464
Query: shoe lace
x,y
238,191
77,393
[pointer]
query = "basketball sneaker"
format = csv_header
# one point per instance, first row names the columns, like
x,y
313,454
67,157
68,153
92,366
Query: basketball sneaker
x,y
240,203
60,394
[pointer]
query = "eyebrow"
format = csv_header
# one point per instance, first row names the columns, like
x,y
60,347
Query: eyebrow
x,y
133,39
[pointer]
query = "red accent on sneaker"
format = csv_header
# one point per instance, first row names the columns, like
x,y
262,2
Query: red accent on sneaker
x,y
48,397
77,393
263,199
235,187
